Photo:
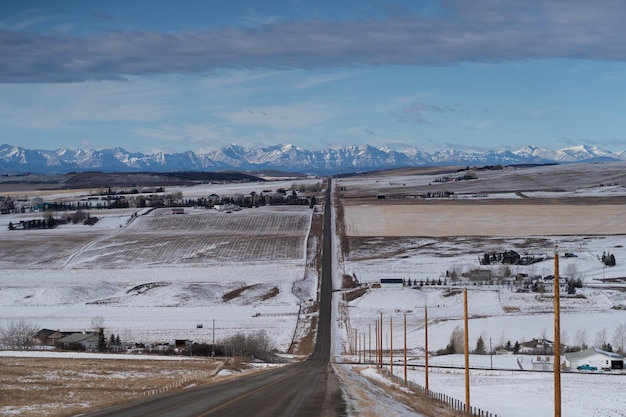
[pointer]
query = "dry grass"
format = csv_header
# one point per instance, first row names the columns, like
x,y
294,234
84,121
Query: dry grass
x,y
64,387
270,294
349,281
422,404
306,345
477,219
234,293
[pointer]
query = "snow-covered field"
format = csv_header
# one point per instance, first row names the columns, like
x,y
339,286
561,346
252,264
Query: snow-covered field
x,y
497,312
69,289
156,277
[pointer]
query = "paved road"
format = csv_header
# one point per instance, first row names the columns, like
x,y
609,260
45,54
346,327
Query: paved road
x,y
305,389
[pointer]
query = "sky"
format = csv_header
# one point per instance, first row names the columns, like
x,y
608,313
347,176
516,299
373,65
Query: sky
x,y
189,75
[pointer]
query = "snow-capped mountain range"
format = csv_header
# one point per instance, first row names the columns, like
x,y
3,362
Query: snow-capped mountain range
x,y
15,159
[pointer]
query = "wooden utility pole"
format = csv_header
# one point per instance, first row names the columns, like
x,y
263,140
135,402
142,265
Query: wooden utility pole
x,y
426,346
369,342
557,337
405,378
363,347
380,329
467,375
377,344
391,344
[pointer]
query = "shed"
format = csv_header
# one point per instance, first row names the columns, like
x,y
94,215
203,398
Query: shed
x,y
593,356
391,283
182,343
542,363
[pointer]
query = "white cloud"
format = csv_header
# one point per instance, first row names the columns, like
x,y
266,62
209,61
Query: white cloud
x,y
482,31
55,106
297,115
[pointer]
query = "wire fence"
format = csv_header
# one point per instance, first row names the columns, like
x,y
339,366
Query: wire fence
x,y
452,403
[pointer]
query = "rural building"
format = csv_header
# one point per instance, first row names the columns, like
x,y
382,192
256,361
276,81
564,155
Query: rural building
x,y
227,207
542,363
536,346
391,283
182,343
599,358
79,341
47,337
548,284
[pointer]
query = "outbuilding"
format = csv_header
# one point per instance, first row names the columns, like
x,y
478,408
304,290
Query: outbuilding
x,y
391,283
595,357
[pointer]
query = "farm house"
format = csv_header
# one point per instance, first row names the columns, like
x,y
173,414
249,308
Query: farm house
x,y
599,358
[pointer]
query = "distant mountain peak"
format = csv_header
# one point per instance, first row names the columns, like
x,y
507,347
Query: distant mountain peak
x,y
284,157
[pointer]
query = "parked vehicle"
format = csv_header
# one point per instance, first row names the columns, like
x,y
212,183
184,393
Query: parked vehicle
x,y
587,368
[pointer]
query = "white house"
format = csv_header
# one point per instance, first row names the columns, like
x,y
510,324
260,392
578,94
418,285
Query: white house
x,y
548,284
599,358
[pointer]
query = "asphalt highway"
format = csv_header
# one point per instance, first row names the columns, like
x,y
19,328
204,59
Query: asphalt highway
x,y
305,389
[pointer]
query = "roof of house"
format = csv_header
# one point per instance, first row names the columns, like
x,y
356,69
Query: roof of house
x,y
44,333
535,343
79,337
592,351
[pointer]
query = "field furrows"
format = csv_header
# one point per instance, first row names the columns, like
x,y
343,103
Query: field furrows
x,y
42,249
202,238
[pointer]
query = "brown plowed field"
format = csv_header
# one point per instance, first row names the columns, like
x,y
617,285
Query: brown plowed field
x,y
484,219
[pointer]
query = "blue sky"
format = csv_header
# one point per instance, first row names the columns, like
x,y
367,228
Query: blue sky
x,y
199,75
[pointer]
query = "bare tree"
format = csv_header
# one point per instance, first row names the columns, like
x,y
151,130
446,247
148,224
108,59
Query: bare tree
x,y
619,338
19,335
564,337
256,345
581,339
601,338
572,272
97,323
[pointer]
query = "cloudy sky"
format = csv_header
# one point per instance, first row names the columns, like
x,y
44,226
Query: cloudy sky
x,y
197,75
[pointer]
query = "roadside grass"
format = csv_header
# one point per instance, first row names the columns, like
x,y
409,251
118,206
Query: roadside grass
x,y
366,398
54,387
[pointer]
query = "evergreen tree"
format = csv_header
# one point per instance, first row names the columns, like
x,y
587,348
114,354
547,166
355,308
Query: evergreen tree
x,y
480,346
102,343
